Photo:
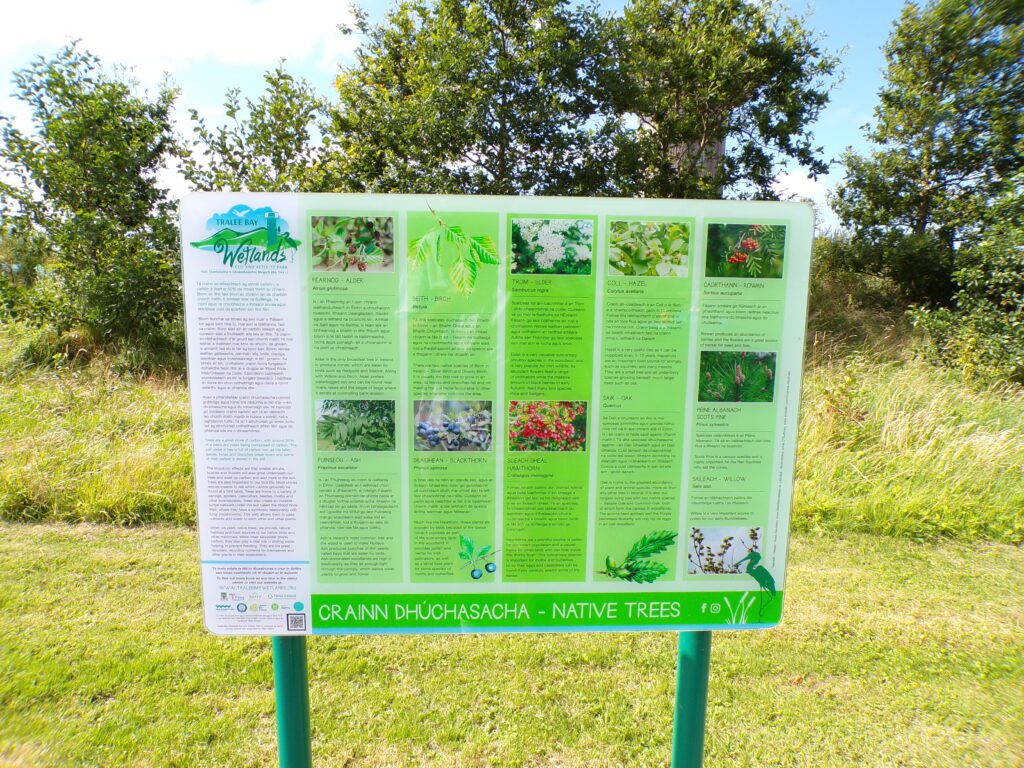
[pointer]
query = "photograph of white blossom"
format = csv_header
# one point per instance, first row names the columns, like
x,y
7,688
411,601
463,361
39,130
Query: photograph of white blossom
x,y
552,246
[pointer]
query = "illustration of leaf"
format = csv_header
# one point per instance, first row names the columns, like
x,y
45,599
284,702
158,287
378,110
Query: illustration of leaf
x,y
652,544
484,249
646,571
467,545
423,248
455,234
463,274
484,551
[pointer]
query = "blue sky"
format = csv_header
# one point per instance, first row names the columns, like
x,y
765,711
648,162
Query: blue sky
x,y
188,43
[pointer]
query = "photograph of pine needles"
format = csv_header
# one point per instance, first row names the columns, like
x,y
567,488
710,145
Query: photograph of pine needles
x,y
737,377
745,250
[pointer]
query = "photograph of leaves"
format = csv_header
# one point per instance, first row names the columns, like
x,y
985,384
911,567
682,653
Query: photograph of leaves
x,y
458,252
638,567
358,243
355,425
649,249
737,377
745,250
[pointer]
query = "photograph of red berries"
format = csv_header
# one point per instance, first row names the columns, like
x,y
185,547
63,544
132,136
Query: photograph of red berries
x,y
737,377
547,425
453,425
353,243
745,250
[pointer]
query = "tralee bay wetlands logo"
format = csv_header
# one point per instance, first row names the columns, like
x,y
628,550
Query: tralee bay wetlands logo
x,y
246,237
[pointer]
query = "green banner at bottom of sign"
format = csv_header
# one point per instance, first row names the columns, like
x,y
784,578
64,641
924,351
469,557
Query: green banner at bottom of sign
x,y
367,614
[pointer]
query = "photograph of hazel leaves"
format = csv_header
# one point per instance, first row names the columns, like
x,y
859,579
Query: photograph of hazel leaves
x,y
745,250
649,249
552,246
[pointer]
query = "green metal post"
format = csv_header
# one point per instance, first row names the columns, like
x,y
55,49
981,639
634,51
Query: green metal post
x,y
291,692
691,699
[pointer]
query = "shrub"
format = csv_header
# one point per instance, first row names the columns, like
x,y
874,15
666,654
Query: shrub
x,y
983,333
79,197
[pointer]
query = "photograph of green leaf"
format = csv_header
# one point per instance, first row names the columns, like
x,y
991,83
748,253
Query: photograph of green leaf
x,y
721,550
461,254
355,425
638,566
649,249
353,243
552,246
737,377
745,250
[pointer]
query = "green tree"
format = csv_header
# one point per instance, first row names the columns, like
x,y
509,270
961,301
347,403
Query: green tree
x,y
982,333
486,96
673,98
83,180
271,144
721,92
949,134
22,256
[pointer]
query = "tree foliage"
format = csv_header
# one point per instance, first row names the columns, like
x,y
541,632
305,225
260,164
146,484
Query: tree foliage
x,y
81,185
673,98
949,134
982,334
270,144
723,91
486,96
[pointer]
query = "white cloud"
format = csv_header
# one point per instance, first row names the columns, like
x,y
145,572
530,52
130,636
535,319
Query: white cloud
x,y
798,186
153,39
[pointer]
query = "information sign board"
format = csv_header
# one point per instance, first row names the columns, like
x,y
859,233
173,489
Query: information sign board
x,y
467,414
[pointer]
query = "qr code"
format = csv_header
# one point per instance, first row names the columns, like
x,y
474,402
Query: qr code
x,y
296,622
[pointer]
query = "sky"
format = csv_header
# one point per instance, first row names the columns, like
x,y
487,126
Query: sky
x,y
190,46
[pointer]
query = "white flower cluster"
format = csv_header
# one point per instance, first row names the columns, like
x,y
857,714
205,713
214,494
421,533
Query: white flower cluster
x,y
550,236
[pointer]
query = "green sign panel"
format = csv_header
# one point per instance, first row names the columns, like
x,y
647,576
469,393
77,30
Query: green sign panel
x,y
471,414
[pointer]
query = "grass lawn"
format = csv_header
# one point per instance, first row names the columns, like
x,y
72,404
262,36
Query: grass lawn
x,y
891,653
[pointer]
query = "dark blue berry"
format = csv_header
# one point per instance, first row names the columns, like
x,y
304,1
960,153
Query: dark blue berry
x,y
491,567
476,573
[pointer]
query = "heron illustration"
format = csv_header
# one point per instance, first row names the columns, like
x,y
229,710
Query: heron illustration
x,y
761,575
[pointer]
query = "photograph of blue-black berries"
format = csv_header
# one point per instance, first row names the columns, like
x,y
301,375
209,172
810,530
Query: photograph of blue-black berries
x,y
355,425
453,425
